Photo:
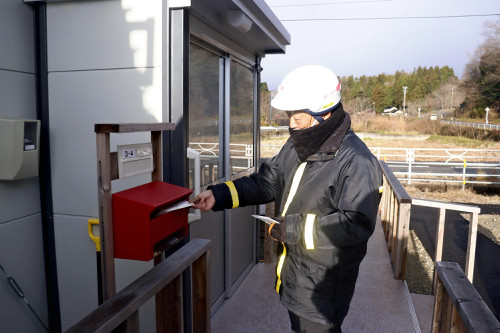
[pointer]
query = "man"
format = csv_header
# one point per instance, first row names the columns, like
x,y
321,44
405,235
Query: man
x,y
325,183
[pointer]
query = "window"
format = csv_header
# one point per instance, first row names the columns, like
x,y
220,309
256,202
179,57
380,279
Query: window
x,y
241,117
204,113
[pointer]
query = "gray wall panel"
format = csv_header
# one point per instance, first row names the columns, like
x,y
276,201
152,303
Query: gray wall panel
x,y
17,93
17,39
76,268
77,273
104,34
19,198
78,100
21,255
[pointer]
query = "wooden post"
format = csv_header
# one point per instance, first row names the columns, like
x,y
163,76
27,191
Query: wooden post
x,y
471,247
438,307
105,214
383,201
401,248
390,220
107,171
457,325
387,206
157,157
439,244
130,325
169,303
395,235
201,295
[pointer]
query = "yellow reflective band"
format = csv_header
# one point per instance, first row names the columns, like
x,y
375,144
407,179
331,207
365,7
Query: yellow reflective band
x,y
308,231
380,189
234,194
278,269
295,186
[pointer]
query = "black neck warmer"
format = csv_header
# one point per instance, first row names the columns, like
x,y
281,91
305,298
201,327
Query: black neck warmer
x,y
324,137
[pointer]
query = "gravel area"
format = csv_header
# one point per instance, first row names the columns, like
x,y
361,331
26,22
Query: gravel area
x,y
419,267
489,225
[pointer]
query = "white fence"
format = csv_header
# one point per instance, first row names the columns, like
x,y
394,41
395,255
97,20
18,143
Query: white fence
x,y
461,166
466,166
208,155
474,125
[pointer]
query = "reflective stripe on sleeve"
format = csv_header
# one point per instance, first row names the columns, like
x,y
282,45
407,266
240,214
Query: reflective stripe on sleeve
x,y
308,231
234,194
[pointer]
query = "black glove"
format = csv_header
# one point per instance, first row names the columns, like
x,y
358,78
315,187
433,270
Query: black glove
x,y
277,231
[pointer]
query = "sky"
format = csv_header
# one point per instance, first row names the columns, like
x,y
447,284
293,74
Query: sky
x,y
370,37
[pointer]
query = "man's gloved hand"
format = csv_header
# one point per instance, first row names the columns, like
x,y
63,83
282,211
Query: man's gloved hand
x,y
277,231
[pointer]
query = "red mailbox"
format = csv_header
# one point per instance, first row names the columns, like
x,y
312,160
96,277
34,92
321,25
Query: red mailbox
x,y
136,222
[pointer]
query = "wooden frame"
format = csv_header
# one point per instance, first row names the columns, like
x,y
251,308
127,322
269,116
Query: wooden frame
x,y
472,238
107,171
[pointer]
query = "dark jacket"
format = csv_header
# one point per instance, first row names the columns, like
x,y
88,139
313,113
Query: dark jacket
x,y
342,190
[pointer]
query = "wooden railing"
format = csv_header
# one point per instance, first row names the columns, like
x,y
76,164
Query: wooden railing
x,y
395,210
471,244
458,306
120,312
395,207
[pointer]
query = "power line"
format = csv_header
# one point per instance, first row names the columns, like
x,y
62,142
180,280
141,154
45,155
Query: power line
x,y
329,3
387,18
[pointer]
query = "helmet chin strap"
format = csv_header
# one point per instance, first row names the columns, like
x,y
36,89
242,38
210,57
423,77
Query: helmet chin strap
x,y
318,118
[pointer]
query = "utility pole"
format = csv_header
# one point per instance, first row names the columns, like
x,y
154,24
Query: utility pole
x,y
404,99
451,104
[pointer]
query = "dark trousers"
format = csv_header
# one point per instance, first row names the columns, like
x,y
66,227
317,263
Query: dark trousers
x,y
302,325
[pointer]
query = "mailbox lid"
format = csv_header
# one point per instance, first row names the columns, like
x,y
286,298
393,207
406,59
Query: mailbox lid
x,y
155,194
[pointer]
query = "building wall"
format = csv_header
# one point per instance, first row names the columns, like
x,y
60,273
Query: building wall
x,y
104,60
104,66
21,244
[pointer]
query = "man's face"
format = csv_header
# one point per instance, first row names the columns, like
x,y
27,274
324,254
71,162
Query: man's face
x,y
300,119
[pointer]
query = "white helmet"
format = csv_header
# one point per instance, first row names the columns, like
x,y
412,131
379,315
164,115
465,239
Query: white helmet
x,y
314,89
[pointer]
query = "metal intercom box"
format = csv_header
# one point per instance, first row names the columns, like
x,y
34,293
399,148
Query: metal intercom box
x,y
19,148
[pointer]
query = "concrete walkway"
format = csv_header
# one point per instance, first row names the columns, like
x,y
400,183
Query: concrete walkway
x,y
380,303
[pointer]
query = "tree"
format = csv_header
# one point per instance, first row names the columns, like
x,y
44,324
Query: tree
x,y
482,75
378,98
